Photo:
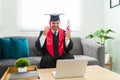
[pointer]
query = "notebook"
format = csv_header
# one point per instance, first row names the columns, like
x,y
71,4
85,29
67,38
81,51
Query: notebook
x,y
21,75
70,68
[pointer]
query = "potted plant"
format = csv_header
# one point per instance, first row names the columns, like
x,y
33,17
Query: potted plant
x,y
22,64
100,36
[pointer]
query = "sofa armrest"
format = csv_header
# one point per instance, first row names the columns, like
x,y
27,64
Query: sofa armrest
x,y
92,49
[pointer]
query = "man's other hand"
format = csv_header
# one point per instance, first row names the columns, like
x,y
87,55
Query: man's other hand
x,y
46,29
68,35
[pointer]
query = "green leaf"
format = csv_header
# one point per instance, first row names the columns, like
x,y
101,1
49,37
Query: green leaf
x,y
98,42
109,30
90,36
102,31
101,36
108,37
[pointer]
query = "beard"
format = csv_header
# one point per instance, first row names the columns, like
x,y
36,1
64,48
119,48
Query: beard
x,y
55,27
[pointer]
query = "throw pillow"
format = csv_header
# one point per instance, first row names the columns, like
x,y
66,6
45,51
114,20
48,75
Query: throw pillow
x,y
19,48
0,53
0,50
5,48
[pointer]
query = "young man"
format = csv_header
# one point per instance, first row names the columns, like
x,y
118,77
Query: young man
x,y
54,43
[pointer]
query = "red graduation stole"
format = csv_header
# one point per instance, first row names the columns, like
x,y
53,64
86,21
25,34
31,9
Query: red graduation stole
x,y
49,42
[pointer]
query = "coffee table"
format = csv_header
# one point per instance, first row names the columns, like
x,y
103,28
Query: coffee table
x,y
92,73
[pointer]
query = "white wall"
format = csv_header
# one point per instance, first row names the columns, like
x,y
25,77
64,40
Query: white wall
x,y
9,20
91,18
112,20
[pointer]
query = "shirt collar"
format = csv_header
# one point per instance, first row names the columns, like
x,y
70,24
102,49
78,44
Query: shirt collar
x,y
54,31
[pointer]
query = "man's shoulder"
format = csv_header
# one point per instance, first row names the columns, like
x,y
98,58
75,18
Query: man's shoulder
x,y
63,29
41,31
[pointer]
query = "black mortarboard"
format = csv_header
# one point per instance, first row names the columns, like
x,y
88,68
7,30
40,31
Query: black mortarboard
x,y
54,16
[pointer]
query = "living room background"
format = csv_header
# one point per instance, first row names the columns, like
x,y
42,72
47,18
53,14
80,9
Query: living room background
x,y
95,14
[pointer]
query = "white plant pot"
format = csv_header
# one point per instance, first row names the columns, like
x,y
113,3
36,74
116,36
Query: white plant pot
x,y
24,69
107,57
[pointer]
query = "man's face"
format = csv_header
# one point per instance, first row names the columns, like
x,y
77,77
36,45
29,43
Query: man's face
x,y
55,25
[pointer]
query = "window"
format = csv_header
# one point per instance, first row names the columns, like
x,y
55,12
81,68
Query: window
x,y
31,13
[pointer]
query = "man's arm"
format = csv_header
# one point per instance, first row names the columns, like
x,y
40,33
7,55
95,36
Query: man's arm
x,y
68,45
41,39
38,43
68,41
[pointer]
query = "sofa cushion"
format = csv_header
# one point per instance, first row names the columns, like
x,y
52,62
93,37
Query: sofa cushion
x,y
90,48
7,62
0,49
91,60
35,60
5,47
4,64
0,53
19,47
77,46
32,48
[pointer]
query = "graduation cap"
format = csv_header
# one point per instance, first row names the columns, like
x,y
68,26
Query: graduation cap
x,y
55,16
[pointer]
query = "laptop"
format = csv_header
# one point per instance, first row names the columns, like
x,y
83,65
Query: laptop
x,y
70,68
